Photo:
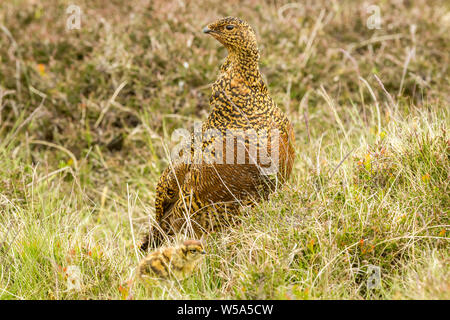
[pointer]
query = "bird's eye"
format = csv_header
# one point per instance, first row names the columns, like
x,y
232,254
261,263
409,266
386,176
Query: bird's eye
x,y
229,27
192,250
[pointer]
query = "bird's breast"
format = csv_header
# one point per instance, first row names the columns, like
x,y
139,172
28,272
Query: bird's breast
x,y
232,92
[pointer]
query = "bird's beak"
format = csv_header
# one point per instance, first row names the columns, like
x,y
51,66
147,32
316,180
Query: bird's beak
x,y
206,30
203,252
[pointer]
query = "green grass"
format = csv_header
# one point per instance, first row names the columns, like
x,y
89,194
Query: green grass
x,y
78,169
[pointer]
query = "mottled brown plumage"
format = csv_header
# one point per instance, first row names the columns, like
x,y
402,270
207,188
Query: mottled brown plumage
x,y
202,196
171,262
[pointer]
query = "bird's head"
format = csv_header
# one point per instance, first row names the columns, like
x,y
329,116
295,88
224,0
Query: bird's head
x,y
193,249
235,34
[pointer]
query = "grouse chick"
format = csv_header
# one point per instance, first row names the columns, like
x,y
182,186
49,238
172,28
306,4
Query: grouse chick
x,y
171,262
202,196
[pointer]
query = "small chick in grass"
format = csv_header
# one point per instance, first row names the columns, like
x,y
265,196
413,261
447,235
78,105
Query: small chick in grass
x,y
171,262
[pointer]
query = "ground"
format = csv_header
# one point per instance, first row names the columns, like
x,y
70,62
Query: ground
x,y
86,117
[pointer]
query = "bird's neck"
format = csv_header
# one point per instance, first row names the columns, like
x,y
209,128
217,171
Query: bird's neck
x,y
245,62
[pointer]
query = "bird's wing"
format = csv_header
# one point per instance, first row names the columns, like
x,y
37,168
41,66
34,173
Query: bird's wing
x,y
167,193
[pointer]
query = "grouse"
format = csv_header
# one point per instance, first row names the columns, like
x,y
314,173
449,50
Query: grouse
x,y
198,194
172,262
